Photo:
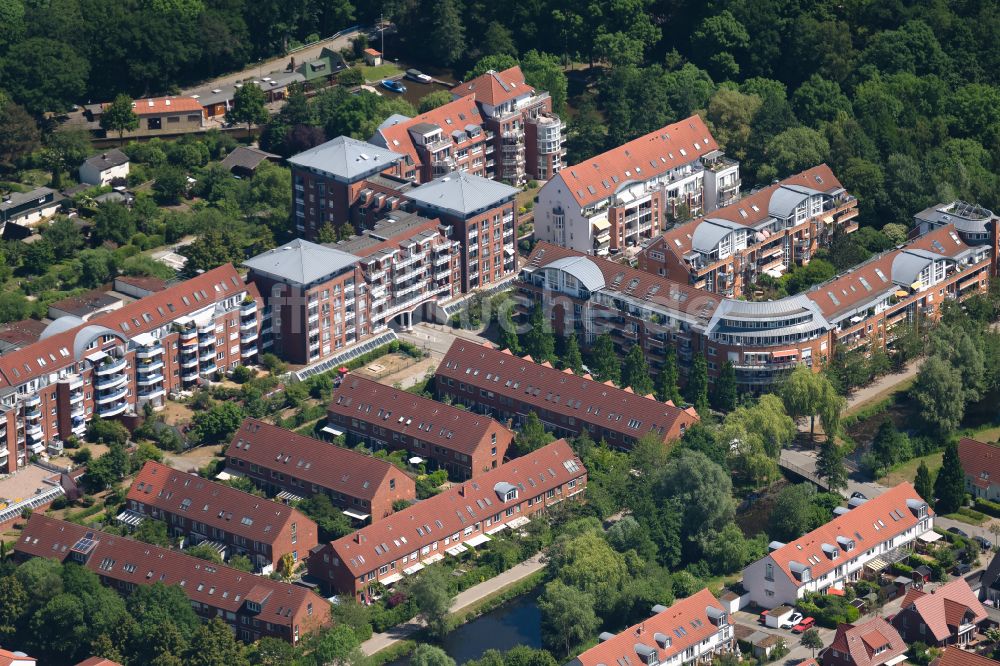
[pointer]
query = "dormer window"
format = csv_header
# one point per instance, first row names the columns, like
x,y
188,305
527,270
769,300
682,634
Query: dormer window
x,y
506,492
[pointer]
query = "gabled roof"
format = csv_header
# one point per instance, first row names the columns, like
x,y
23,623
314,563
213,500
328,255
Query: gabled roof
x,y
98,661
453,116
213,504
638,160
494,88
107,160
310,460
247,157
8,658
669,633
414,415
956,656
861,641
301,262
461,193
16,199
346,158
944,609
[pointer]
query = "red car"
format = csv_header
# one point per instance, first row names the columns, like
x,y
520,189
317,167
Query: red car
x,y
803,626
763,618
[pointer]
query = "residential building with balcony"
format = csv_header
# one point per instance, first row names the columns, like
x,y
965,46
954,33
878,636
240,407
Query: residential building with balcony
x,y
293,467
693,630
497,383
529,141
382,417
871,643
948,615
230,520
118,361
765,232
973,223
630,194
254,607
868,534
462,517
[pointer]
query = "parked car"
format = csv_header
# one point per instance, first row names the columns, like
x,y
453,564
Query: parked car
x,y
984,543
792,620
857,495
418,76
804,626
961,533
961,569
394,86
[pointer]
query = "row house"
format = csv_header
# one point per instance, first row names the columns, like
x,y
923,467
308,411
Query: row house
x,y
948,615
981,466
382,417
254,607
528,140
696,629
157,115
871,643
868,533
293,467
116,362
448,138
766,232
236,522
462,517
495,382
630,194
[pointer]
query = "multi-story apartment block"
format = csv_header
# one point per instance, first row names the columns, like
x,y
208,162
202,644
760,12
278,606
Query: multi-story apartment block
x,y
767,232
382,417
973,223
253,606
459,518
528,139
884,528
482,215
871,643
114,363
691,631
448,138
762,339
623,197
948,615
293,466
327,181
236,522
498,383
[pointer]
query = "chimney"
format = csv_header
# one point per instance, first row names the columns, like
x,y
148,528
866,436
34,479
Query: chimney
x,y
461,490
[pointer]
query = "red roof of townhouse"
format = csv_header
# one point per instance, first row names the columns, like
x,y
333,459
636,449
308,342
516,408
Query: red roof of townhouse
x,y
143,282
944,607
159,105
863,527
980,461
457,508
214,504
414,415
7,658
686,623
562,392
495,88
869,644
452,116
956,656
62,348
122,559
310,460
98,661
638,160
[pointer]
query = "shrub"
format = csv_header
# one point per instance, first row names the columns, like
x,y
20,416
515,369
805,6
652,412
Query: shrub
x,y
988,507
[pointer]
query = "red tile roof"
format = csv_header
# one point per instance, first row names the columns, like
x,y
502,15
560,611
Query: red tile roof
x,y
123,559
143,282
414,415
686,623
944,609
98,661
457,508
638,160
452,116
561,392
877,520
310,460
980,461
159,105
495,88
7,658
214,504
955,656
862,640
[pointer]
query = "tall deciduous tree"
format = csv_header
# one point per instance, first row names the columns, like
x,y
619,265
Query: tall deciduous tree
x,y
64,151
830,465
808,393
431,594
539,340
446,36
120,117
544,72
725,393
949,487
533,434
635,372
940,392
696,389
703,489
568,617
508,329
43,75
249,106
19,134
604,362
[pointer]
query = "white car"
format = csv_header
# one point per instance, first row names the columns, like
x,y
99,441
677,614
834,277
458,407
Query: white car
x,y
792,620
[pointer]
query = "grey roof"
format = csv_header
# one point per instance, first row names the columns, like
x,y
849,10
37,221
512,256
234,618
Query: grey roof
x,y
108,160
301,262
247,158
967,218
346,158
906,266
782,308
394,119
397,226
60,325
88,334
423,128
786,198
708,233
583,269
462,193
20,198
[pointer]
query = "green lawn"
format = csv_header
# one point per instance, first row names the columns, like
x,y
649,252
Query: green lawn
x,y
383,71
968,517
908,470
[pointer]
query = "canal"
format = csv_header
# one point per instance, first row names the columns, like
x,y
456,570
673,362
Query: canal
x,y
518,622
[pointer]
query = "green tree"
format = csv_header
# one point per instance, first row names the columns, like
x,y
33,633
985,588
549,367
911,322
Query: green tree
x,y
432,598
635,372
217,424
940,392
249,106
430,655
586,135
508,329
60,628
331,521
667,380
270,651
696,389
830,465
725,393
204,551
719,42
572,358
446,35
539,341
19,135
498,40
533,434
114,222
812,640
64,237
96,267
120,117
496,62
214,644
604,363
169,185
64,151
44,75
949,486
568,617
543,71
794,513
702,489
808,393
433,100
922,483
819,100
796,149
153,532
728,550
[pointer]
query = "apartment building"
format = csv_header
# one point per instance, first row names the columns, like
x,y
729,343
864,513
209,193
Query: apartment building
x,y
869,533
765,232
382,417
973,223
495,382
482,214
462,517
630,194
871,643
234,522
293,467
253,606
448,138
529,140
948,615
692,630
981,465
116,362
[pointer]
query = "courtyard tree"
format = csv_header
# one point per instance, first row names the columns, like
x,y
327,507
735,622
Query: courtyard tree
x,y
119,117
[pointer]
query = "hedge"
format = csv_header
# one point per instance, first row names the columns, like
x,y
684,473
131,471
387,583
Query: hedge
x,y
988,507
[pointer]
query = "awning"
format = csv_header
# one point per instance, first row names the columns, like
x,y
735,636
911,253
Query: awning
x,y
130,518
286,496
776,271
508,251
455,551
496,528
785,353
415,460
410,570
836,592
520,521
877,564
477,540
434,557
228,474
217,546
96,356
602,224
929,537
391,578
355,514
330,430
898,659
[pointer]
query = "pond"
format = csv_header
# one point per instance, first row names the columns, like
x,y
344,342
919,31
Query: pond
x,y
518,622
